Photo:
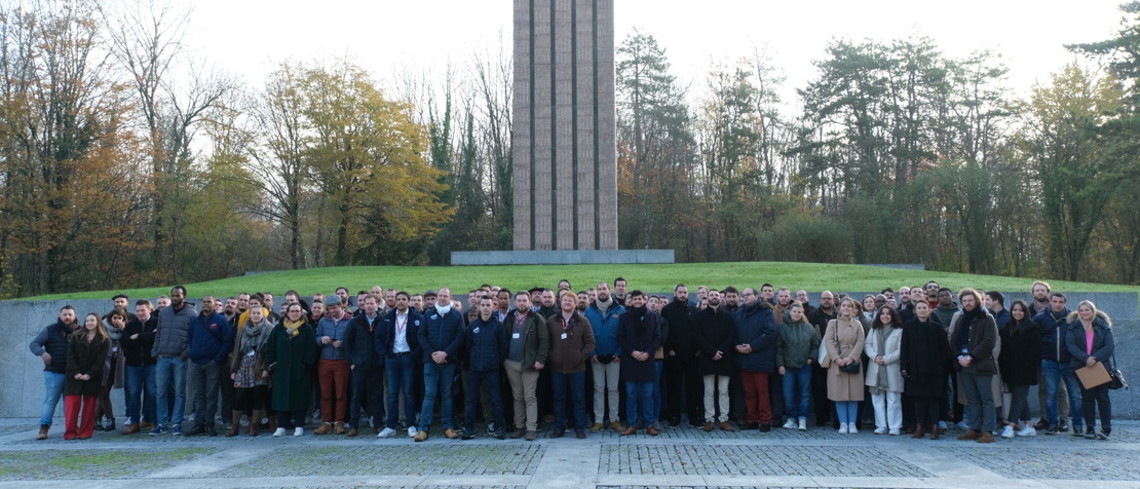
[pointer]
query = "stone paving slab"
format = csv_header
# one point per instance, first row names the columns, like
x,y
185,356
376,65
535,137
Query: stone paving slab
x,y
1086,463
467,459
755,460
92,464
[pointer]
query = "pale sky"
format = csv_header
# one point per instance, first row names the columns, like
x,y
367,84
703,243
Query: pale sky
x,y
248,37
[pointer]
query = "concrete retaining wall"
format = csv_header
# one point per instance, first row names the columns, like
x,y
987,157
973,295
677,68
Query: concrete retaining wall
x,y
560,257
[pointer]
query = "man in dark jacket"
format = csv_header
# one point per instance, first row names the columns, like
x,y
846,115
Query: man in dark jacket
x,y
398,346
366,373
571,341
1055,363
819,318
716,339
51,346
486,349
973,336
638,336
528,344
171,347
680,360
756,331
440,338
211,338
137,341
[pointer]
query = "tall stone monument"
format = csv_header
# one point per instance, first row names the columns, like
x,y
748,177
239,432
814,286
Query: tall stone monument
x,y
565,158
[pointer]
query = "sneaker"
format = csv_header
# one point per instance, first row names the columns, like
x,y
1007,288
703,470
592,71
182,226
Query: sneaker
x,y
158,430
893,432
176,430
1078,431
1090,434
962,426
1007,432
387,433
843,428
852,429
790,424
279,433
298,431
531,436
1028,430
882,430
803,424
451,433
942,425
412,432
421,436
1104,432
1064,425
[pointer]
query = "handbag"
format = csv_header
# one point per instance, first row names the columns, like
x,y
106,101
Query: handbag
x,y
851,368
823,360
1117,377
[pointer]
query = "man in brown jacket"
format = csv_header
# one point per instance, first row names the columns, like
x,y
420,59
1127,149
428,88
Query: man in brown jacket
x,y
571,341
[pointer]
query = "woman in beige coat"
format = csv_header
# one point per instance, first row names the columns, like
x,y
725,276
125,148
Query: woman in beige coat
x,y
844,341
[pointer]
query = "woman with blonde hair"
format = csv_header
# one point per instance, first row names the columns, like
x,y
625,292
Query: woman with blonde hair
x,y
1090,341
844,342
86,351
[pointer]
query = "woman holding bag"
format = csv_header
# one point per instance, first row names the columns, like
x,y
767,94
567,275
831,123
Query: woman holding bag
x,y
1090,341
844,341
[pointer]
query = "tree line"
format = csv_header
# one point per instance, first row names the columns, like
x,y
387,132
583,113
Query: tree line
x,y
126,161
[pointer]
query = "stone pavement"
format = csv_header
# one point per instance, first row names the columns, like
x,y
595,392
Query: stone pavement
x,y
681,457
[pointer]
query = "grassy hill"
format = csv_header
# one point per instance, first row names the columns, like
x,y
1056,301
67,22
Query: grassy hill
x,y
651,278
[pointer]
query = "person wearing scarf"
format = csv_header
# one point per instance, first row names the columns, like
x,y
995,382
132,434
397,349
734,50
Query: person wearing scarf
x,y
974,337
290,355
246,364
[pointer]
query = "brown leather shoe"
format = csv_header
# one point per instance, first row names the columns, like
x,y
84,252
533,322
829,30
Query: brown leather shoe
x,y
919,432
324,429
352,432
986,437
338,428
616,426
970,435
131,429
727,427
43,432
708,426
629,431
651,431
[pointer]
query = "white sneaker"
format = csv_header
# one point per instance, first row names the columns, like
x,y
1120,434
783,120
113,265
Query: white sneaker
x,y
962,426
893,432
1007,432
803,424
843,428
942,425
298,431
1028,430
279,433
790,425
881,430
386,433
412,432
852,429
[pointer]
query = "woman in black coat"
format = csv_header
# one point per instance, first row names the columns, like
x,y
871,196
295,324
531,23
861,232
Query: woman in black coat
x,y
1019,360
86,351
924,359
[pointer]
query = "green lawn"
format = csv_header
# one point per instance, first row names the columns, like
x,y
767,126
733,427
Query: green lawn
x,y
651,278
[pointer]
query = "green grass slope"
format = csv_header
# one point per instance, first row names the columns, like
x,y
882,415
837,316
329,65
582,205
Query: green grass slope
x,y
814,277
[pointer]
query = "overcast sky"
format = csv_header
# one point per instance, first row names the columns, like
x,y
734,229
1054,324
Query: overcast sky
x,y
248,37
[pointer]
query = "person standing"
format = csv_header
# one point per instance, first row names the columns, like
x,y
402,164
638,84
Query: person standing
x,y
924,361
682,366
211,338
1055,358
440,338
366,370
171,348
114,367
1089,342
137,341
819,318
1018,362
715,335
528,344
604,315
332,368
638,336
86,351
571,341
796,348
486,349
756,331
397,345
973,337
290,354
884,376
844,340
249,372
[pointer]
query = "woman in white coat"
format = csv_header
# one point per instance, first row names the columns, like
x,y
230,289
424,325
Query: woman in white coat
x,y
884,375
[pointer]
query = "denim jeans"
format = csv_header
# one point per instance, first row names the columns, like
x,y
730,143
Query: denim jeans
x,y
400,371
170,373
576,383
53,389
140,382
437,380
1054,372
204,379
848,411
797,382
639,403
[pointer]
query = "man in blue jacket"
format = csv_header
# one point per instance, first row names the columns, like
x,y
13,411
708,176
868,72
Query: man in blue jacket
x,y
757,333
604,315
51,346
440,339
486,349
398,347
211,338
1055,364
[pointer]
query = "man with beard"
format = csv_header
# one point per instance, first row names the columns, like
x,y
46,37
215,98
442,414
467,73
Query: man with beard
x,y
549,307
604,315
819,318
756,333
528,344
572,341
583,301
715,337
210,340
51,346
681,373
1054,365
731,299
486,348
1040,303
440,338
639,335
366,372
170,348
973,337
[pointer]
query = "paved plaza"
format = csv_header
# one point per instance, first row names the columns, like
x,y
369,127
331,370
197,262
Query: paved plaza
x,y
681,457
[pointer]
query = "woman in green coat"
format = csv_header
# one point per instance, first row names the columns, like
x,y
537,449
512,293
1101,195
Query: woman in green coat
x,y
291,353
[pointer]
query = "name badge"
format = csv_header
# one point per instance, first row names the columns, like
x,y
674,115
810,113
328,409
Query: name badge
x,y
565,335
476,331
516,336
250,354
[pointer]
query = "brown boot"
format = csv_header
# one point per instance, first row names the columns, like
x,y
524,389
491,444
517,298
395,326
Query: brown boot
x,y
132,429
324,429
970,435
986,437
338,428
43,432
919,432
255,422
272,420
236,426
935,432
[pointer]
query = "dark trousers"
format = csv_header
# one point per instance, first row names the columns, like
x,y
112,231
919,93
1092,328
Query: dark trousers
x,y
927,410
1093,398
203,377
824,407
367,392
683,389
476,380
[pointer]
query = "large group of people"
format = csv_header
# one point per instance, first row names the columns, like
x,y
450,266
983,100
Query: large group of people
x,y
916,361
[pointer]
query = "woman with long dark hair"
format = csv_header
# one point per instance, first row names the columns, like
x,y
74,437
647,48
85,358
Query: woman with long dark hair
x,y
924,362
884,377
1018,363
86,351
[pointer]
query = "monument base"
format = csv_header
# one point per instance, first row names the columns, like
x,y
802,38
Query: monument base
x,y
560,257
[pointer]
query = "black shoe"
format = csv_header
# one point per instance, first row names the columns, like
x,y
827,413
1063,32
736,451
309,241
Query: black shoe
x,y
1052,430
558,433
500,435
198,430
580,433
1104,432
110,426
1090,434
99,425
674,421
765,427
467,435
1064,426
1041,424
